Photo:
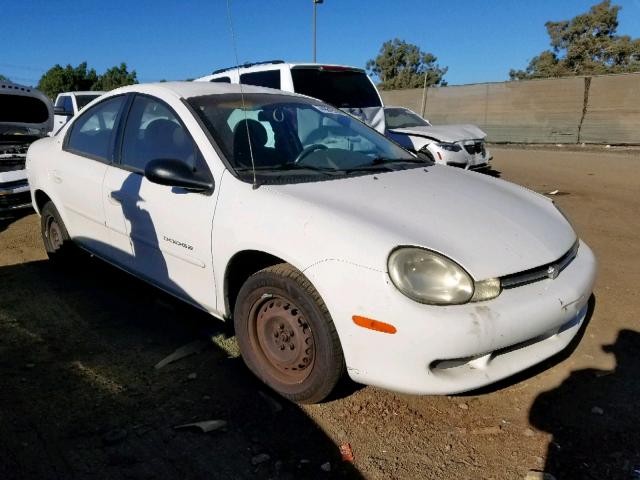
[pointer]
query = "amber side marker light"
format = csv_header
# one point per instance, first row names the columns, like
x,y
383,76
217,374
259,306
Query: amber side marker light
x,y
372,324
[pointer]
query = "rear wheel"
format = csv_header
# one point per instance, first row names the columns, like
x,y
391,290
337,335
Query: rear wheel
x,y
56,239
286,335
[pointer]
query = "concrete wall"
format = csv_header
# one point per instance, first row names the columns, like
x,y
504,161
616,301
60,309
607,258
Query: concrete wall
x,y
600,109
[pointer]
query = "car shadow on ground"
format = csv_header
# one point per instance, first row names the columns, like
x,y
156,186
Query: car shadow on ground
x,y
594,419
80,398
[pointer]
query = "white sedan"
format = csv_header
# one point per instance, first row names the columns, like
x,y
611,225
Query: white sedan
x,y
355,257
455,145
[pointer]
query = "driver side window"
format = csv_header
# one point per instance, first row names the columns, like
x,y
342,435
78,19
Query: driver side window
x,y
153,132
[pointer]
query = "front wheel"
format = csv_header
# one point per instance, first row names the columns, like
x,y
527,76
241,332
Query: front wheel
x,y
286,335
56,239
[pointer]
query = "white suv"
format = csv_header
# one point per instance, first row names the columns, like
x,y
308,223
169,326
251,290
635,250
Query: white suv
x,y
347,88
353,257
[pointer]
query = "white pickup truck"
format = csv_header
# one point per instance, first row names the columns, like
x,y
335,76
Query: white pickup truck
x,y
68,104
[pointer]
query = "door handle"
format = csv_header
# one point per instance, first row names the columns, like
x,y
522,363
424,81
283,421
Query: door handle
x,y
56,176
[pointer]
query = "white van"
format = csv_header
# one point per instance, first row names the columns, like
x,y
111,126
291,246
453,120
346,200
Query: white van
x,y
347,88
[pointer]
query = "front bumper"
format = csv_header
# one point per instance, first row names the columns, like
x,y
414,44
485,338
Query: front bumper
x,y
445,350
462,158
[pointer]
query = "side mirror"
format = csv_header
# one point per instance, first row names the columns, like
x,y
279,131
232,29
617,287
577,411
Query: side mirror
x,y
176,173
61,111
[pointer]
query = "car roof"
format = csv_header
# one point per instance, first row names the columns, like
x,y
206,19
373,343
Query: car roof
x,y
277,64
197,89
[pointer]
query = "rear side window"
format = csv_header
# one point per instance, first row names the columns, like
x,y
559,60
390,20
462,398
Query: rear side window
x,y
340,88
153,132
221,80
93,131
269,79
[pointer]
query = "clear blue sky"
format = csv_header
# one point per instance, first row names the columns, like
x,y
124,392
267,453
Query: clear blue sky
x,y
478,40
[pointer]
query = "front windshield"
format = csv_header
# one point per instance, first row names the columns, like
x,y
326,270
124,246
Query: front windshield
x,y
403,118
294,136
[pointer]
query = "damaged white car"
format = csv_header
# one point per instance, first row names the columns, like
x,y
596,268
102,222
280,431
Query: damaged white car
x,y
350,257
26,115
455,145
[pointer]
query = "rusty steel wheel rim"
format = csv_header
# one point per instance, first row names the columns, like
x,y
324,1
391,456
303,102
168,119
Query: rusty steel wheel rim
x,y
282,337
55,234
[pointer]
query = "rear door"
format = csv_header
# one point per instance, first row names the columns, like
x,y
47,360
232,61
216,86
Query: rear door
x,y
162,233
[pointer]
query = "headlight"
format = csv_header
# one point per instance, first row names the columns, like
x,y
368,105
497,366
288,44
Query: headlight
x,y
431,278
450,147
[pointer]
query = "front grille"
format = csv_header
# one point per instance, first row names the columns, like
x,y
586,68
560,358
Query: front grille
x,y
475,147
548,271
15,200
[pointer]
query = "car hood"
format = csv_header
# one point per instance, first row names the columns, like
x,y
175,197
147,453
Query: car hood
x,y
444,133
24,108
490,227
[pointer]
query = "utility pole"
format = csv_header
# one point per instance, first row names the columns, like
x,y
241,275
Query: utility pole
x,y
424,94
315,3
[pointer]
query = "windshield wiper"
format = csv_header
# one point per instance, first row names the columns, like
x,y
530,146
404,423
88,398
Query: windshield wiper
x,y
380,167
389,161
381,164
286,167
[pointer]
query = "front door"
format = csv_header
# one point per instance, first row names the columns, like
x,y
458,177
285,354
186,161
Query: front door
x,y
165,231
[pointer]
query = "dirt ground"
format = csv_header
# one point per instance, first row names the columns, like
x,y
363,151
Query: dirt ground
x,y
80,398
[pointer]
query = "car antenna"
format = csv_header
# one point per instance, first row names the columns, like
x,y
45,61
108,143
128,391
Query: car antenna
x,y
244,110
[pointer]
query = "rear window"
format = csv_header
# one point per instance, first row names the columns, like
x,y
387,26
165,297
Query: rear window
x,y
403,118
340,88
221,80
83,100
269,79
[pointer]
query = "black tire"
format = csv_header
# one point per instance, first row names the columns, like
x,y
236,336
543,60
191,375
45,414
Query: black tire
x,y
56,239
276,308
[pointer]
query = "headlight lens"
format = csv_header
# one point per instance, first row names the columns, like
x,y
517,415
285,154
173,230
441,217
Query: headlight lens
x,y
450,147
486,289
428,277
431,278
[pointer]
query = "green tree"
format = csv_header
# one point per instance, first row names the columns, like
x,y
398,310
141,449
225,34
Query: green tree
x,y
67,79
403,65
4,79
585,45
115,77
